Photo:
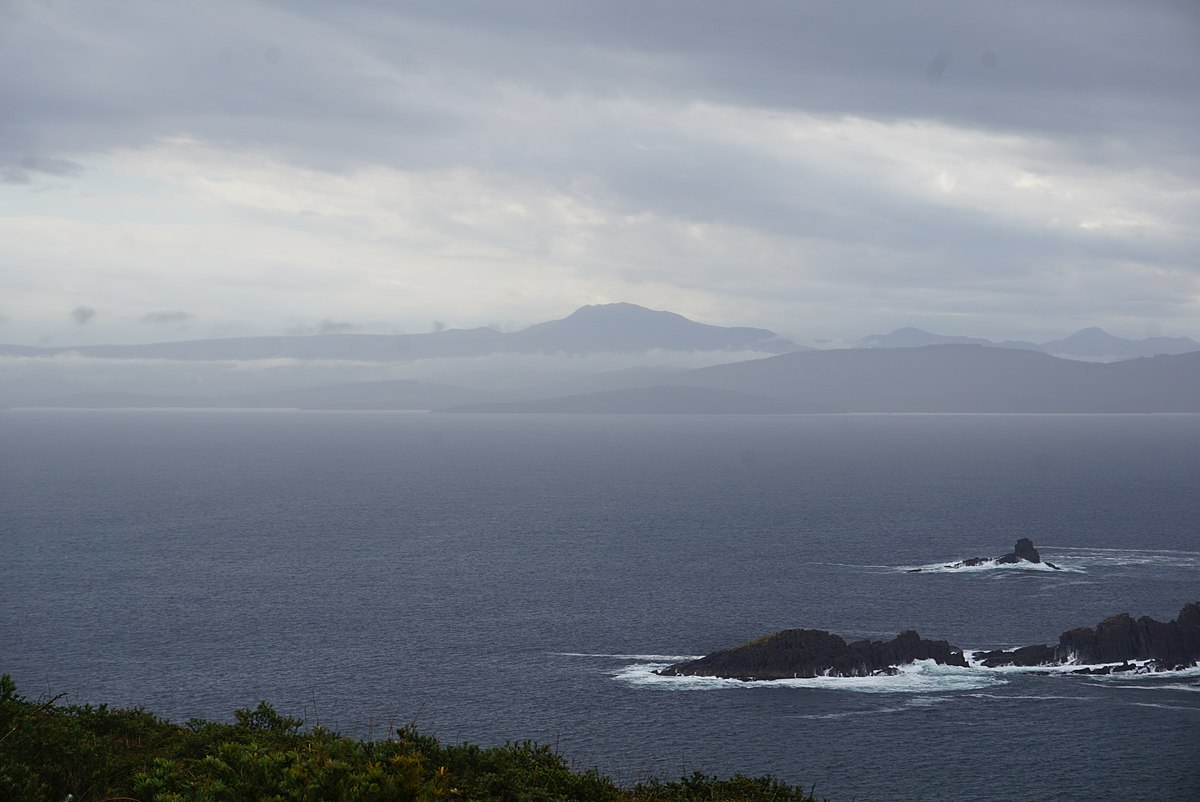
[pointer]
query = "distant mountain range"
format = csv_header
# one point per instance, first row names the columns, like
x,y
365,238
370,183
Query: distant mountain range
x,y
607,328
604,328
1090,343
380,395
937,378
617,358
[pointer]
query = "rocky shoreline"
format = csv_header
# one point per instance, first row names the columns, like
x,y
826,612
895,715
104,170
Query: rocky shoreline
x,y
1118,643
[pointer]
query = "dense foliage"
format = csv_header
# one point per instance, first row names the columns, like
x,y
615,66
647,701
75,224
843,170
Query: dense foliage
x,y
55,752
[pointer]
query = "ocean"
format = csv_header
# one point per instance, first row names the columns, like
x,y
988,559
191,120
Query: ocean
x,y
494,578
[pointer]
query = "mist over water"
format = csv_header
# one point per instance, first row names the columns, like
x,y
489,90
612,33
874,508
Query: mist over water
x,y
511,577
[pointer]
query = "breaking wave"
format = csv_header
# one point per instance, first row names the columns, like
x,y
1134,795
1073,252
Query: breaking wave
x,y
1142,669
922,676
991,565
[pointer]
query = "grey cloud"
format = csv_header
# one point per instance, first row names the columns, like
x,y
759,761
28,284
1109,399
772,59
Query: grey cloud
x,y
41,164
325,326
19,173
536,89
156,70
410,86
11,175
83,314
167,316
1054,66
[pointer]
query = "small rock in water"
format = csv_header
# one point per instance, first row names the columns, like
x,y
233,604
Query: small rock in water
x,y
1023,551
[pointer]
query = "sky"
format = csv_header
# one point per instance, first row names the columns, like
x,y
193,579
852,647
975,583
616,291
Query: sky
x,y
178,169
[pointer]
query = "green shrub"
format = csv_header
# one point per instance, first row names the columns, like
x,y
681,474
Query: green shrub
x,y
53,752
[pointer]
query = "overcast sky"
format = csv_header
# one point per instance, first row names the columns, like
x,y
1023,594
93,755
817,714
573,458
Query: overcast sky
x,y
172,170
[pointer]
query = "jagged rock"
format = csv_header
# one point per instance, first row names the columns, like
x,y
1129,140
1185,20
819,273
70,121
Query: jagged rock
x,y
1025,656
1116,639
814,652
1119,638
1023,551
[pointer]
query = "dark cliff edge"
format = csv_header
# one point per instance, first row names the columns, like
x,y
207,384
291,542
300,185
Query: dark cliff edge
x,y
805,653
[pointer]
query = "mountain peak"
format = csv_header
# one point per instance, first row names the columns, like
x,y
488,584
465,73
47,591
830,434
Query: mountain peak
x,y
629,327
1093,334
1096,343
618,309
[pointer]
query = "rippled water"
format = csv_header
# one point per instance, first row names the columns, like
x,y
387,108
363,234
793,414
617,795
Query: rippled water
x,y
494,578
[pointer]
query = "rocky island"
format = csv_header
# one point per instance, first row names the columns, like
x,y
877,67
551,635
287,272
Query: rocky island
x,y
813,653
1170,645
805,653
1023,551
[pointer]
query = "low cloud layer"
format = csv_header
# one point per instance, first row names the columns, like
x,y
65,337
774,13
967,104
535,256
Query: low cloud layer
x,y
326,326
1003,171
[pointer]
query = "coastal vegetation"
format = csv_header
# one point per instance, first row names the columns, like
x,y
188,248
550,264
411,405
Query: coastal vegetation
x,y
57,752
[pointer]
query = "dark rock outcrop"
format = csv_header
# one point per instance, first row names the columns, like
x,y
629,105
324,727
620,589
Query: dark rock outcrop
x,y
1120,637
1116,639
1023,551
814,652
1119,642
1025,656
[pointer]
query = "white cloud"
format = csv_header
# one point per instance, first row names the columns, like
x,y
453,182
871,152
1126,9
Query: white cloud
x,y
388,169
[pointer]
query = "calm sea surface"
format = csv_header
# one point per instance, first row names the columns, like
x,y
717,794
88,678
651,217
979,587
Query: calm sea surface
x,y
512,577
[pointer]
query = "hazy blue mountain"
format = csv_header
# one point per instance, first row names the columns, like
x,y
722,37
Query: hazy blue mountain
x,y
624,327
1096,343
608,328
396,394
381,395
1091,343
909,337
119,400
622,379
940,378
661,400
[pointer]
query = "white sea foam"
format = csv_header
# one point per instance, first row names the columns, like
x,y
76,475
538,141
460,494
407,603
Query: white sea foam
x,y
992,565
1142,675
1188,708
923,676
1189,687
1071,560
850,713
1032,697
1142,669
1121,558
